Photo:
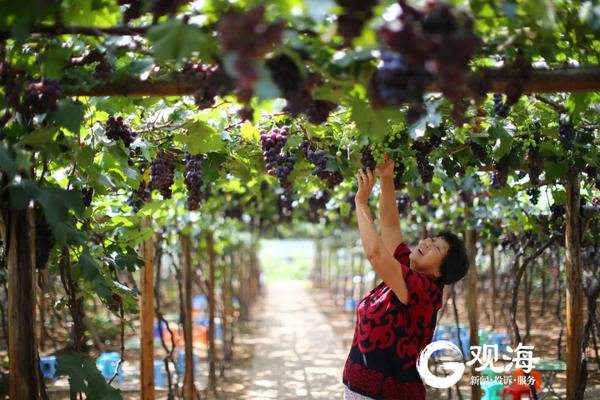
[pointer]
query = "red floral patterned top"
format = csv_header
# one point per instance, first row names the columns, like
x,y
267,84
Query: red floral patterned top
x,y
390,334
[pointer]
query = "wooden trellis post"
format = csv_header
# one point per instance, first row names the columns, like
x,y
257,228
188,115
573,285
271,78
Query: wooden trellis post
x,y
573,275
147,317
188,380
471,299
212,379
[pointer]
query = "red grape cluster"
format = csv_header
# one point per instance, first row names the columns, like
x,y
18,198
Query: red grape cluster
x,y
272,144
398,172
193,180
211,81
438,41
162,173
42,96
139,196
356,13
297,90
116,129
423,199
319,158
249,37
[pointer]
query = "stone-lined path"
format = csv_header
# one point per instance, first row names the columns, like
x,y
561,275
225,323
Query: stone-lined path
x,y
297,354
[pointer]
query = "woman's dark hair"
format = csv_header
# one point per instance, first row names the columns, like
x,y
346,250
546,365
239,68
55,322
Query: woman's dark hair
x,y
456,263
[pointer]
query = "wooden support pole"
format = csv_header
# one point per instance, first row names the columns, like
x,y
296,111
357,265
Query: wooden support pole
x,y
492,251
24,381
471,299
212,379
147,317
188,380
570,79
574,285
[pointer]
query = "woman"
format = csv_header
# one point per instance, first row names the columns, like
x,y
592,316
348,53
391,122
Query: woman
x,y
396,319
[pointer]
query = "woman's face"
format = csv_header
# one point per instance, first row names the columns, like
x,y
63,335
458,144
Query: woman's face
x,y
428,255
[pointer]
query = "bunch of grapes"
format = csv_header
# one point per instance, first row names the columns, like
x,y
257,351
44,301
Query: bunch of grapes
x,y
139,196
534,194
319,158
422,150
248,36
499,175
536,165
316,203
87,193
398,172
42,96
437,40
162,173
211,81
566,134
478,150
236,212
403,203
193,180
368,160
297,90
501,109
396,82
466,197
423,199
272,144
116,129
356,13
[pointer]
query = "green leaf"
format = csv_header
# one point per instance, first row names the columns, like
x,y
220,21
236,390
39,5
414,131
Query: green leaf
x,y
555,170
249,132
85,377
7,161
54,60
174,40
69,114
40,137
504,140
89,266
22,193
201,138
366,120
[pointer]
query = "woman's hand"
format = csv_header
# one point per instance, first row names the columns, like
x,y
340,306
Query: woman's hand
x,y
386,169
366,181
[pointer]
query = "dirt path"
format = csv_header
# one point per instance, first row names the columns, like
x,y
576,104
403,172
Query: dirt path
x,y
297,355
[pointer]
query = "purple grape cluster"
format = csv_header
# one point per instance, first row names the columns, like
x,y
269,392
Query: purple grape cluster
x,y
116,129
211,81
499,176
501,109
42,96
319,158
297,90
272,142
422,150
438,39
424,198
316,203
86,194
566,134
162,173
248,36
534,194
466,197
398,172
138,197
356,13
478,150
536,165
193,180
403,203
367,159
